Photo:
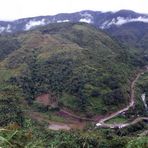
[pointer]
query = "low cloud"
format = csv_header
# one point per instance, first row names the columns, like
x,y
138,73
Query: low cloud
x,y
32,24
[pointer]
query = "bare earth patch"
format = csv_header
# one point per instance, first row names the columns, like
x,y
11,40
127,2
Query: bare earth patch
x,y
57,127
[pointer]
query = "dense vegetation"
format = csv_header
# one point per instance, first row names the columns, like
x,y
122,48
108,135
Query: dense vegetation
x,y
31,136
86,70
132,34
86,64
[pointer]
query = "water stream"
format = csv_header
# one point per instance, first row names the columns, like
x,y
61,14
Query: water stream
x,y
143,96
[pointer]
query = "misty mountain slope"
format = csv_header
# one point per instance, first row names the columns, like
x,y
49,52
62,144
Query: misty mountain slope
x,y
99,19
128,27
133,34
81,65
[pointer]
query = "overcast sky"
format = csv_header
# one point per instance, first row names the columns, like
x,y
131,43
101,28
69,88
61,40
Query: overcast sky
x,y
14,9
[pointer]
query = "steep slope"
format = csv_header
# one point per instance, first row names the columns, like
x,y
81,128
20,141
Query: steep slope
x,y
132,34
82,69
81,66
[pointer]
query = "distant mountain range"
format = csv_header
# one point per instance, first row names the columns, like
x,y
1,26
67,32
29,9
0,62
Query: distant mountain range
x,y
103,20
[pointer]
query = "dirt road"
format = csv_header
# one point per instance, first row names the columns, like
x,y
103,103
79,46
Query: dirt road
x,y
79,122
122,125
131,104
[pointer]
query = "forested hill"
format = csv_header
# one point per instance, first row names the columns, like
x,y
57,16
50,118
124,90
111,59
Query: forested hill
x,y
84,68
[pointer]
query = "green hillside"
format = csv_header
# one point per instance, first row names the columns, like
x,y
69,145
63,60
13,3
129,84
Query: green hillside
x,y
85,70
134,34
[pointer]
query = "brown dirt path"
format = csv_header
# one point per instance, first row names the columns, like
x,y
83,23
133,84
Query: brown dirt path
x,y
79,122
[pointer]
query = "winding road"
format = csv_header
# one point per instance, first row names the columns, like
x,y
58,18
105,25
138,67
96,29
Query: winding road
x,y
122,125
131,104
79,122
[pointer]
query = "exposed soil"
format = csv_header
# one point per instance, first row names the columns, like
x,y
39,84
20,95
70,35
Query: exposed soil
x,y
53,125
78,122
43,99
47,99
58,126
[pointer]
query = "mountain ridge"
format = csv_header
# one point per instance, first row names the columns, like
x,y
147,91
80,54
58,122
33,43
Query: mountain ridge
x,y
99,19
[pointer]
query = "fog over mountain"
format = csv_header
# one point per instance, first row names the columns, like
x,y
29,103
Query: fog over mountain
x,y
99,19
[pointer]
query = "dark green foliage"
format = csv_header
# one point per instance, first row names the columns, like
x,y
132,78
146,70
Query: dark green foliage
x,y
28,82
140,142
133,35
117,94
131,130
10,112
84,63
7,45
